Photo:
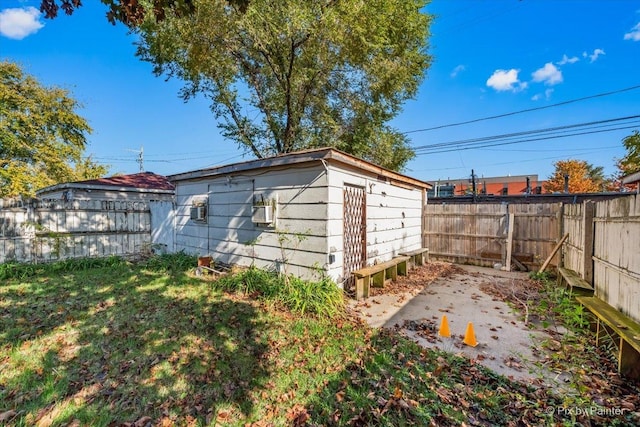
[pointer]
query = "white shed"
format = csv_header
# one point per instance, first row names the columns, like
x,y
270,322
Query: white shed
x,y
307,213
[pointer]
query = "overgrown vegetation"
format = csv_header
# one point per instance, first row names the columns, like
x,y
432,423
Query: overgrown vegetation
x,y
151,343
321,298
589,372
17,270
556,306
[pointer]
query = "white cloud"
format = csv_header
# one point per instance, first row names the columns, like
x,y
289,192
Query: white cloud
x,y
566,60
539,96
457,70
19,23
502,80
549,74
596,53
634,34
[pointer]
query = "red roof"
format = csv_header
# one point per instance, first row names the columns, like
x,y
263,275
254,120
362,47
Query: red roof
x,y
146,180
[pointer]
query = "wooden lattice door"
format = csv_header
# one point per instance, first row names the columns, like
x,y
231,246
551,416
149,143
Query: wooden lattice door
x,y
354,234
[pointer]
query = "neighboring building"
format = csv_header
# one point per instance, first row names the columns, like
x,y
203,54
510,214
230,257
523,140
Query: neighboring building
x,y
154,191
498,186
144,186
307,213
632,181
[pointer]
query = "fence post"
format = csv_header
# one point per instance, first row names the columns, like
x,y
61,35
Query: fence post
x,y
588,212
560,230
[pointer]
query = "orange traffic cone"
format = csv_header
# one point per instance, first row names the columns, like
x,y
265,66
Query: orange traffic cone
x,y
470,336
444,327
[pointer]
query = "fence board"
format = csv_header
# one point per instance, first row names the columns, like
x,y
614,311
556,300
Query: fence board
x,y
475,233
616,254
573,251
49,230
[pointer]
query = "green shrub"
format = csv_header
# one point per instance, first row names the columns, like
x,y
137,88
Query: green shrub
x,y
177,262
322,298
559,303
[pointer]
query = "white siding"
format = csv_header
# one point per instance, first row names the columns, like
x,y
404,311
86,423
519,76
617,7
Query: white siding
x,y
309,204
231,237
394,217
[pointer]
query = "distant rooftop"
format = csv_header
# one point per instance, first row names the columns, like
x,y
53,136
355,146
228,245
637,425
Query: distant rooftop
x,y
139,181
147,180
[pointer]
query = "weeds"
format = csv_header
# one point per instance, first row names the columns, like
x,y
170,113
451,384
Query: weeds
x,y
558,306
322,297
177,262
14,270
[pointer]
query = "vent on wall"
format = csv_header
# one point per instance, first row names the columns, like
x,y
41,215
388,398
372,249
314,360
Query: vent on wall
x,y
199,211
262,214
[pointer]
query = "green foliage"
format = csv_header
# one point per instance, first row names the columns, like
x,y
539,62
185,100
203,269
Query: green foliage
x,y
178,262
558,305
544,276
321,73
322,298
15,270
42,139
630,163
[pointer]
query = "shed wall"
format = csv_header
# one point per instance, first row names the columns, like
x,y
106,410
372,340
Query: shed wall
x,y
296,243
393,217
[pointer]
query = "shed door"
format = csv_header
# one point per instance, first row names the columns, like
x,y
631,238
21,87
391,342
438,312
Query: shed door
x,y
354,234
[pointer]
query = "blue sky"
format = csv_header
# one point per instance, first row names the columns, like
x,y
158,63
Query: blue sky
x,y
490,58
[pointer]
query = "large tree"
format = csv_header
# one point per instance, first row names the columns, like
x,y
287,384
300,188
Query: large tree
x,y
630,163
583,177
42,138
286,75
129,12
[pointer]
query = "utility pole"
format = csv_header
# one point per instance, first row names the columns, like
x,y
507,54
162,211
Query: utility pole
x,y
473,185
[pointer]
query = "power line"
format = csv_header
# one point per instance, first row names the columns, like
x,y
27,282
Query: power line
x,y
513,113
447,150
551,130
591,151
563,150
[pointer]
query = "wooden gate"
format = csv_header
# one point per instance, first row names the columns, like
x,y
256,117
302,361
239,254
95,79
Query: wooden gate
x,y
354,233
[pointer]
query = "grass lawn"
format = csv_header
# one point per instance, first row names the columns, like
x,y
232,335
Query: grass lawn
x,y
119,343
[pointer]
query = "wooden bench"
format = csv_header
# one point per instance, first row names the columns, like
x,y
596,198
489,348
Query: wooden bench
x,y
417,257
624,332
377,274
577,285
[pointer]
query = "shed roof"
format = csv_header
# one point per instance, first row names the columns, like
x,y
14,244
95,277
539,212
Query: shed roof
x,y
143,182
327,154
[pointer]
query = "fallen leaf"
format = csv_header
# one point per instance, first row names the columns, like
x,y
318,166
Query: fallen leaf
x,y
397,393
142,421
6,416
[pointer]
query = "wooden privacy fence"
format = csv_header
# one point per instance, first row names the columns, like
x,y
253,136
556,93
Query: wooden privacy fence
x,y
605,249
603,244
479,233
49,230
